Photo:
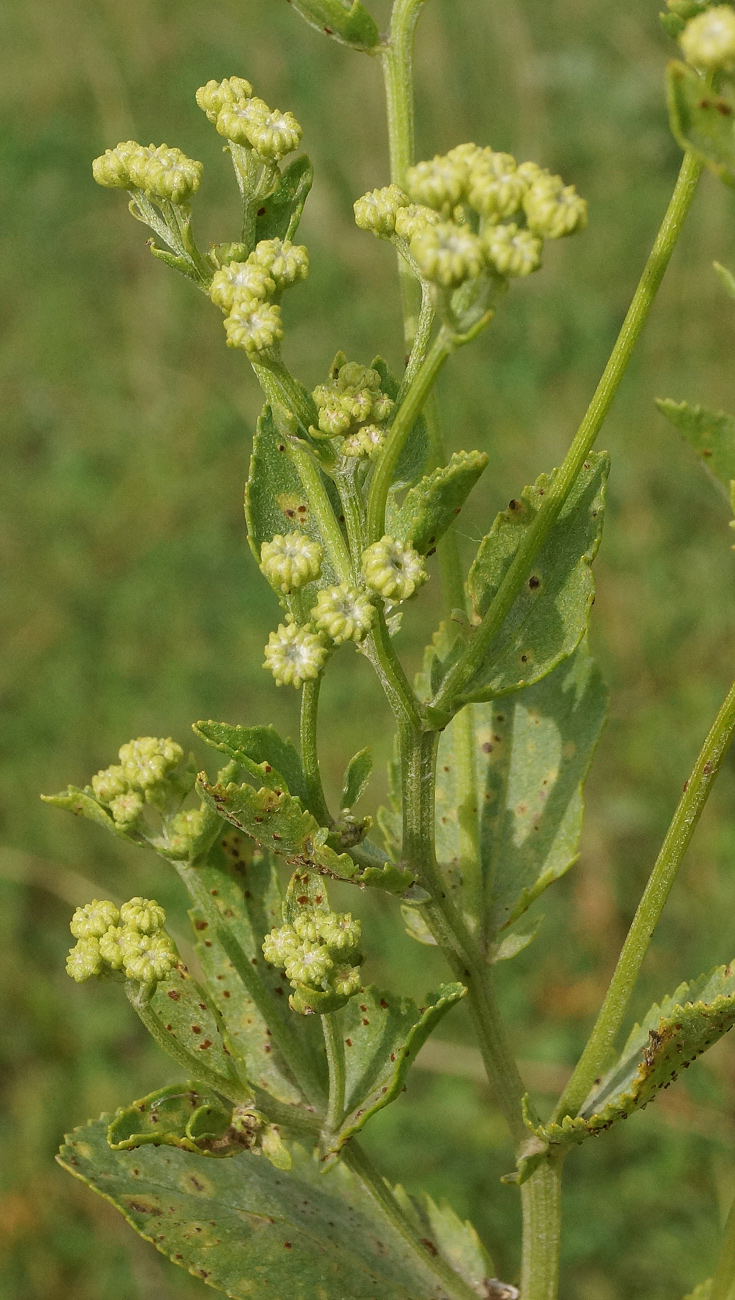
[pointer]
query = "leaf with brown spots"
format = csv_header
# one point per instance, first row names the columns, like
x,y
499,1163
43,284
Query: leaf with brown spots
x,y
280,214
702,120
181,1115
187,1013
349,23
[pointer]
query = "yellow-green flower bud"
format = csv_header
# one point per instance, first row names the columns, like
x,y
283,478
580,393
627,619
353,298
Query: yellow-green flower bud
x,y
222,254
346,980
708,41
185,830
84,960
112,946
439,183
413,218
513,251
496,189
367,442
126,808
254,326
286,263
554,209
109,783
238,280
213,97
280,946
467,155
354,377
377,210
144,915
309,963
295,654
148,957
91,921
147,761
290,561
165,173
393,569
448,254
112,168
340,932
251,122
344,613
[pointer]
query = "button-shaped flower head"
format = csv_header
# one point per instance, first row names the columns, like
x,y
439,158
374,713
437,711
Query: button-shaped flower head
x,y
708,41
285,263
254,326
164,173
344,613
144,915
127,808
351,397
92,920
393,569
554,209
185,830
295,654
280,946
413,218
250,122
366,443
238,281
377,210
147,762
309,963
290,561
84,960
513,251
340,932
346,980
496,189
439,183
112,168
448,254
109,783
148,957
112,947
213,97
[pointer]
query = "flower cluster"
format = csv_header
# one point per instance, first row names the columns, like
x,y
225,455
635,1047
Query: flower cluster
x,y
319,953
353,408
131,941
473,212
244,291
161,173
393,569
245,120
708,40
141,776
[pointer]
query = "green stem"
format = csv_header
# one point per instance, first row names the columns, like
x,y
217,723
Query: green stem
x,y
353,510
195,1069
541,1202
382,656
563,481
723,1282
421,341
279,385
468,817
398,76
309,752
681,829
433,1266
336,1062
408,413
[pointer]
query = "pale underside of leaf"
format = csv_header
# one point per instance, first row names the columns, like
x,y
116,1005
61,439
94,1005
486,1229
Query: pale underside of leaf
x,y
711,434
702,120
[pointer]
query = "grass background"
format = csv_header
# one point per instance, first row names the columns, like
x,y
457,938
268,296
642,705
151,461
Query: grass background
x,y
130,604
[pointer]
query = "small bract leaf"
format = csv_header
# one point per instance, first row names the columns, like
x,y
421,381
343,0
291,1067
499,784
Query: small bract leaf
x,y
349,23
703,121
83,804
280,214
357,776
261,751
432,505
250,1230
383,1034
711,434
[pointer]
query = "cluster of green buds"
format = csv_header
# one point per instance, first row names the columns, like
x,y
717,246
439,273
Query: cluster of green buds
x,y
163,174
353,410
708,38
319,951
248,122
249,294
130,942
474,216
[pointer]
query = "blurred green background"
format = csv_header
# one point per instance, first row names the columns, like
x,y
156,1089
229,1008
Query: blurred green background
x,y
130,604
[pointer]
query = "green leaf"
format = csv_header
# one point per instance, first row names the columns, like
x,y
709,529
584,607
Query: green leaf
x,y
726,278
182,1115
350,24
275,501
549,616
711,434
249,1230
703,121
383,1034
516,940
357,776
279,215
412,460
532,752
83,804
187,1014
261,751
455,1241
431,507
671,1036
181,264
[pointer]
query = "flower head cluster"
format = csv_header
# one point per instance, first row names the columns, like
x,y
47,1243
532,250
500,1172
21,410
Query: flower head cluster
x,y
247,121
353,408
344,613
319,953
295,654
131,941
708,40
393,569
161,172
290,561
143,773
244,290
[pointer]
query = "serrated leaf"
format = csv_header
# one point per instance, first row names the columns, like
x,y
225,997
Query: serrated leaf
x,y
672,1035
711,434
83,804
357,776
549,616
383,1034
261,751
182,1115
430,507
275,501
280,213
249,1230
185,1012
415,453
349,23
701,120
532,752
457,1242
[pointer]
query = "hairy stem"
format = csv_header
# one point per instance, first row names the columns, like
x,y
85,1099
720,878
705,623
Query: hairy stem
x,y
195,1069
459,676
723,1282
393,679
541,1202
309,752
336,1062
681,829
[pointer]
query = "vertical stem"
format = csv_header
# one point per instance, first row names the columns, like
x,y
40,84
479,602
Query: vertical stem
x,y
468,818
681,829
392,677
336,1062
541,1202
309,752
723,1282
